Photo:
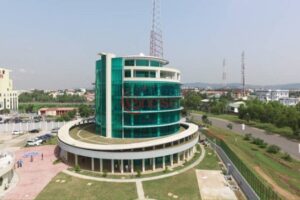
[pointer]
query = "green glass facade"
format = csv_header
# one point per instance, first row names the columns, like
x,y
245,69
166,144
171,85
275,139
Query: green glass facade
x,y
139,109
100,94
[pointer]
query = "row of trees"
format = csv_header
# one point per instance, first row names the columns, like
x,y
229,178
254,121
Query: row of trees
x,y
41,96
273,113
193,101
83,111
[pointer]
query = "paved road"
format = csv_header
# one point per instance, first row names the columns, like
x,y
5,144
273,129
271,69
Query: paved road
x,y
291,147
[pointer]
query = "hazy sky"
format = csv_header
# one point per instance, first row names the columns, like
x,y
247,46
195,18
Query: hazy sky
x,y
54,43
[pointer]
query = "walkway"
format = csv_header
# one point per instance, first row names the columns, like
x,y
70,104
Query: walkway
x,y
34,176
139,179
291,147
140,190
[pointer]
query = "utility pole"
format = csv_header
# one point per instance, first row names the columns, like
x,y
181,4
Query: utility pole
x,y
156,41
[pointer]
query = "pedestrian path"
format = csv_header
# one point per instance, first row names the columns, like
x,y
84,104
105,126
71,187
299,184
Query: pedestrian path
x,y
140,190
34,176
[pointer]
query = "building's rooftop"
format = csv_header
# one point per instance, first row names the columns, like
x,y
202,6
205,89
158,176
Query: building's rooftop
x,y
87,133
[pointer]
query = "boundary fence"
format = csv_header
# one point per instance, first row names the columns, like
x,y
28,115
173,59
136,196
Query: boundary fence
x,y
261,190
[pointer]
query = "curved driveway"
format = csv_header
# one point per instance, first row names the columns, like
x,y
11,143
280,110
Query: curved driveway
x,y
291,147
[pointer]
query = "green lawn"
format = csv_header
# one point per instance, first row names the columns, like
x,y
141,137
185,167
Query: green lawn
x,y
76,189
210,161
184,185
285,174
51,141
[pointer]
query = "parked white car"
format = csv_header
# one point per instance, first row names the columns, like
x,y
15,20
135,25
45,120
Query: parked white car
x,y
17,132
34,142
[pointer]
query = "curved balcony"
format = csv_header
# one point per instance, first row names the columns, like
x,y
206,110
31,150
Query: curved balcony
x,y
151,111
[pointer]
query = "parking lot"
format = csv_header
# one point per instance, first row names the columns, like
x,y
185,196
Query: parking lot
x,y
25,127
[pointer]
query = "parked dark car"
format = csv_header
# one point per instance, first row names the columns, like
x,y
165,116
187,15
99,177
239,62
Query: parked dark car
x,y
34,131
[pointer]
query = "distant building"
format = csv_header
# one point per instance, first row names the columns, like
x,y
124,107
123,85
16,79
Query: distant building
x,y
8,97
234,107
271,95
239,94
54,111
90,97
289,101
281,96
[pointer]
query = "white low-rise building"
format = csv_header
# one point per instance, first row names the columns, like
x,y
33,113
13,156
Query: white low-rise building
x,y
289,101
271,95
8,97
281,96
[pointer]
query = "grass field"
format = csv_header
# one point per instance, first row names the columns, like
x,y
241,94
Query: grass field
x,y
210,161
75,188
282,175
184,186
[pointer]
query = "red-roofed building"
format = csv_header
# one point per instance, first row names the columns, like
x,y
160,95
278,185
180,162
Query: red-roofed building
x,y
54,111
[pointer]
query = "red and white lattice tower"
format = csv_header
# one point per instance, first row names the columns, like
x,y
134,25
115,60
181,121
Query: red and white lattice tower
x,y
156,42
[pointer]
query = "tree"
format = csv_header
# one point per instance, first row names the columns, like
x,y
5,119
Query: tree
x,y
85,110
29,108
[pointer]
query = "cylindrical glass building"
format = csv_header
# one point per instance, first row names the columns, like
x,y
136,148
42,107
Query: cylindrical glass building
x,y
138,126
136,97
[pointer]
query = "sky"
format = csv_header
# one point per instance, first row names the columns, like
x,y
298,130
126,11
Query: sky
x,y
53,44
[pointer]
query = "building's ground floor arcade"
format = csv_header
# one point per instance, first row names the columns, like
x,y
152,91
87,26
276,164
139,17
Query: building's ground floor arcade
x,y
129,166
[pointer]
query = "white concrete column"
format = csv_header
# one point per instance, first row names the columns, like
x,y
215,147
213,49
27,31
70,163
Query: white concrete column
x,y
76,159
184,156
108,90
143,165
122,166
171,160
153,164
112,166
93,164
164,162
101,165
178,158
131,166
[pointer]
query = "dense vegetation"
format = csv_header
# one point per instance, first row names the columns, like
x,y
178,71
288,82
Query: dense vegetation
x,y
285,117
41,96
272,116
193,101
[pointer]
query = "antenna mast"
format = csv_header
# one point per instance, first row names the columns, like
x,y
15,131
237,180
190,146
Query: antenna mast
x,y
224,73
243,73
156,42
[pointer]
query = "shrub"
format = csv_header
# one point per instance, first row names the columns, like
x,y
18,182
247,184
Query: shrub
x,y
77,168
264,145
56,161
139,173
166,169
273,149
104,174
258,141
287,157
248,136
230,126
